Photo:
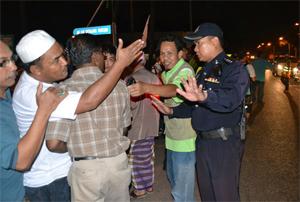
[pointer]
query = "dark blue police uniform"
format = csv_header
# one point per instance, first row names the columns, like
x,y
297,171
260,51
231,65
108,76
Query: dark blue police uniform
x,y
217,123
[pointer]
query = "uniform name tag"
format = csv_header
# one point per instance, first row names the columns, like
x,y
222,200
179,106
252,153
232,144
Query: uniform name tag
x,y
212,80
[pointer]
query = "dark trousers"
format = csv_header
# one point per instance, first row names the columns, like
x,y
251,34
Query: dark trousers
x,y
260,85
252,90
57,191
285,82
218,168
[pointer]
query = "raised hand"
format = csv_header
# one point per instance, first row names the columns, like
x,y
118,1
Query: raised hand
x,y
160,106
125,56
49,99
191,91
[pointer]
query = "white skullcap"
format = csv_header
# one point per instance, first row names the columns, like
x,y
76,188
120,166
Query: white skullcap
x,y
33,45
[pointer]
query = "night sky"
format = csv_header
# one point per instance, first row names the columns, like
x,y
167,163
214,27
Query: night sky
x,y
245,24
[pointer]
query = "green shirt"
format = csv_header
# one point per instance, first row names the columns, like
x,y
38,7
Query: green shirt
x,y
173,73
260,65
173,76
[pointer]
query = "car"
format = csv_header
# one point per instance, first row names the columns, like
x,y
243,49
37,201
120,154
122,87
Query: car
x,y
296,73
285,65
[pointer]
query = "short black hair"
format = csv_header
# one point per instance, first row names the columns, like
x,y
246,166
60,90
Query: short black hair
x,y
179,43
109,48
26,66
81,47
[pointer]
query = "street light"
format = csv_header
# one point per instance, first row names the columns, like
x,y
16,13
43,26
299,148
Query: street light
x,y
266,47
296,25
283,42
269,44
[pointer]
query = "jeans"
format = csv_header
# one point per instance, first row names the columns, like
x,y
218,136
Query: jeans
x,y
181,175
56,191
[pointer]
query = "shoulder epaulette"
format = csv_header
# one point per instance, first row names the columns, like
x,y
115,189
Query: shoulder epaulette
x,y
228,60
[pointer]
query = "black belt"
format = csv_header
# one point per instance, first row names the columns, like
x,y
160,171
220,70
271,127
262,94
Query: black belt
x,y
222,132
84,158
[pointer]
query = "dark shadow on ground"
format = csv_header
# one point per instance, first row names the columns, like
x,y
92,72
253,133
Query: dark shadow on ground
x,y
295,110
257,108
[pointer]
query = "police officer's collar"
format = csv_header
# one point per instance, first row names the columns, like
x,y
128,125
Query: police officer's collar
x,y
217,60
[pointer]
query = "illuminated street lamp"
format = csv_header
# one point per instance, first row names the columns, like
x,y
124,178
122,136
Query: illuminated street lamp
x,y
266,46
272,55
283,42
296,26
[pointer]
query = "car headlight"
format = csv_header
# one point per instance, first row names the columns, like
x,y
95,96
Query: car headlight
x,y
295,70
285,68
280,67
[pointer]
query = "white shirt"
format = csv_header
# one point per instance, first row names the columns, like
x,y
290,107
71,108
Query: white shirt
x,y
251,70
48,166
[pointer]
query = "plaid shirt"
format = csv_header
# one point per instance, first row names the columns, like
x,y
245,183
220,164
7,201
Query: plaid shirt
x,y
98,132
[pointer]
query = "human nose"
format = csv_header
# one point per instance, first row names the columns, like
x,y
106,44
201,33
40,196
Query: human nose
x,y
164,56
162,59
63,60
195,49
12,65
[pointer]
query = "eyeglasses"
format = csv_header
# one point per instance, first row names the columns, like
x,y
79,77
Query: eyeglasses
x,y
8,61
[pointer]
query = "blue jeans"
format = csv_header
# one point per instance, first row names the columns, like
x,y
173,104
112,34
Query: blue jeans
x,y
57,191
181,175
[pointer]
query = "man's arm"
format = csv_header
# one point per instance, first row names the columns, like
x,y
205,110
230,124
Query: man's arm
x,y
96,93
57,146
251,72
226,98
166,90
30,144
140,88
57,135
184,110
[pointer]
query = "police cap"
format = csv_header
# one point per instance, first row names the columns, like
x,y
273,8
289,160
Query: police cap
x,y
205,29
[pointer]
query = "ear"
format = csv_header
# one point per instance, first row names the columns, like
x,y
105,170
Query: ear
x,y
93,57
215,41
180,54
36,70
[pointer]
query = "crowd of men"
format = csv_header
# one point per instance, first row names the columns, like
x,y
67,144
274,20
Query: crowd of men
x,y
89,134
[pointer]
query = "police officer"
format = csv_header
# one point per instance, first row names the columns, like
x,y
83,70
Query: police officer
x,y
217,95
